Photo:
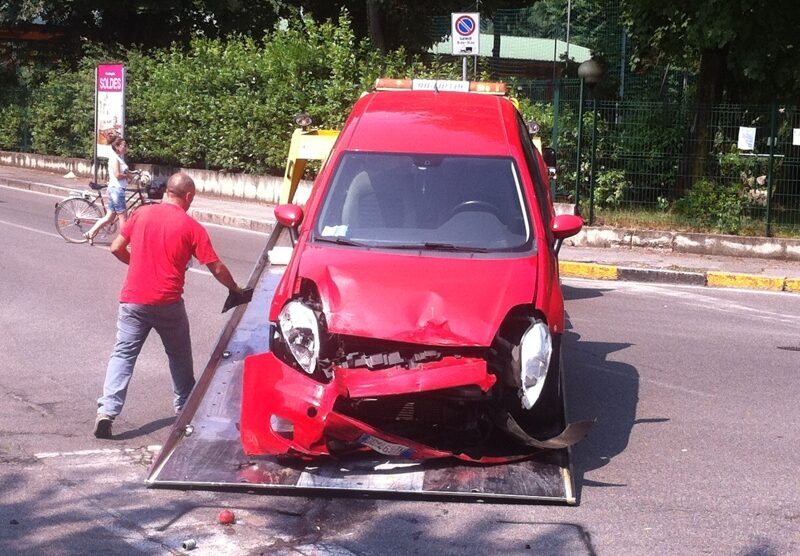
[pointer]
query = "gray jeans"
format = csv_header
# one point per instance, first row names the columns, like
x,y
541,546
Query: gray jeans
x,y
134,323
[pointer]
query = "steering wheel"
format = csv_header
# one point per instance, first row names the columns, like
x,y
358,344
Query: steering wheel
x,y
476,206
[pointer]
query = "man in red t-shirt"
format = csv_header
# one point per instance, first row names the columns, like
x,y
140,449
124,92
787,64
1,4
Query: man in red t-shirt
x,y
162,239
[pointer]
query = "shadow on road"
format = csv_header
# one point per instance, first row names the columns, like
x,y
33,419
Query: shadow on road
x,y
145,429
573,294
607,391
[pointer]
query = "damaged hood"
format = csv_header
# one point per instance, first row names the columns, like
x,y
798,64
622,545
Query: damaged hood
x,y
435,300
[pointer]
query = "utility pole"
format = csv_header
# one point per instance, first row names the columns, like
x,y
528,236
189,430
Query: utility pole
x,y
569,15
475,59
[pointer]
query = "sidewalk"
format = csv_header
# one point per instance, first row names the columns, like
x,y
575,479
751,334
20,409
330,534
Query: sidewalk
x,y
606,263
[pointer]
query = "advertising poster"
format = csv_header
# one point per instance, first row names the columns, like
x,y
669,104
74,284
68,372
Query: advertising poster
x,y
109,118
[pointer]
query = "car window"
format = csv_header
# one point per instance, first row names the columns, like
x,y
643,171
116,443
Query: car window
x,y
404,201
533,166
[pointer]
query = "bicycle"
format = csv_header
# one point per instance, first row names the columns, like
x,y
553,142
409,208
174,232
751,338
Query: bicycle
x,y
75,215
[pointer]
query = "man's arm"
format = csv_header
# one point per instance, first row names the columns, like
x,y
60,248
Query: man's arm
x,y
223,276
119,247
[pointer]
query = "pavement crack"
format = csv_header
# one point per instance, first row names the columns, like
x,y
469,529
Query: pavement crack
x,y
38,408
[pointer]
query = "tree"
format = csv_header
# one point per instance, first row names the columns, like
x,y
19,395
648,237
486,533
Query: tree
x,y
740,50
743,50
393,24
145,23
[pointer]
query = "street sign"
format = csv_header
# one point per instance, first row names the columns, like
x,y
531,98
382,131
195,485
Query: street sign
x,y
466,32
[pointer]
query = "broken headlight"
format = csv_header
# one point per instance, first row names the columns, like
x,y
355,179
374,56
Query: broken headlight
x,y
536,349
300,330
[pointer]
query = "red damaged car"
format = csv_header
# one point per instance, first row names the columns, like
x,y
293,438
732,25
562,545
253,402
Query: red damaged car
x,y
421,313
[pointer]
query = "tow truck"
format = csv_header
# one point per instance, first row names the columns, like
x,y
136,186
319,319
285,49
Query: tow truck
x,y
273,413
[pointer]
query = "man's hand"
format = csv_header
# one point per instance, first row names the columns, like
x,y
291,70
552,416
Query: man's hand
x,y
238,298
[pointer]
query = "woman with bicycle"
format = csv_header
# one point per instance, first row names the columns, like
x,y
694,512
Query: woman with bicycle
x,y
118,174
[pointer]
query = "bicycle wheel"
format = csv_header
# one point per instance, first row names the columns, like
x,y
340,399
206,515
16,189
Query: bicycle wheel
x,y
74,217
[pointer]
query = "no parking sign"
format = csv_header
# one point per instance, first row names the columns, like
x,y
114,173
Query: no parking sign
x,y
466,34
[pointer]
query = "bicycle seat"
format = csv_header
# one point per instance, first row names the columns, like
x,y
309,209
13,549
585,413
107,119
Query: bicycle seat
x,y
97,186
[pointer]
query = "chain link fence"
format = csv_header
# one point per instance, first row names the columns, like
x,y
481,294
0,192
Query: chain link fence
x,y
644,162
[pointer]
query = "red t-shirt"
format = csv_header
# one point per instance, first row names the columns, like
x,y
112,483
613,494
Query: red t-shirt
x,y
162,239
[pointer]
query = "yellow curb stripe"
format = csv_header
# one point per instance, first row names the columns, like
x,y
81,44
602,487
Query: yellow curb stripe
x,y
588,270
746,281
793,285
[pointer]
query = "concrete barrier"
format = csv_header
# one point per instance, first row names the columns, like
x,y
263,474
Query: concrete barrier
x,y
691,243
250,187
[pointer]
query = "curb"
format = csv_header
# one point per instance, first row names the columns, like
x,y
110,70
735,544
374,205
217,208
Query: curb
x,y
710,278
37,187
240,222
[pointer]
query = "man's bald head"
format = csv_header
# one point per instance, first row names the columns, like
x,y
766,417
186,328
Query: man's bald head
x,y
180,184
180,189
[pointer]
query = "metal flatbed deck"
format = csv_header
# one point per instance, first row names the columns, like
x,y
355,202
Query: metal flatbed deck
x,y
203,450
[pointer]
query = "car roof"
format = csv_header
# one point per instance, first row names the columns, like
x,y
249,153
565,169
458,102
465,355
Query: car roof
x,y
431,122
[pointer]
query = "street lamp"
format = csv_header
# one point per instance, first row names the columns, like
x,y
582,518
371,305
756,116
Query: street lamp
x,y
590,72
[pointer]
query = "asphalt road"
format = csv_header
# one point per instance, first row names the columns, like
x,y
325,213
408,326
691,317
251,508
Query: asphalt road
x,y
694,450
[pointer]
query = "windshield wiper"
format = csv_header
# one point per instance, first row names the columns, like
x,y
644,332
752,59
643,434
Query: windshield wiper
x,y
339,240
436,246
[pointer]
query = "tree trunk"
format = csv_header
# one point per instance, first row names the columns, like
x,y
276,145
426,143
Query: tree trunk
x,y
710,83
375,26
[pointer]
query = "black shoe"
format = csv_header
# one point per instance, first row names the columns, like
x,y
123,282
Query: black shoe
x,y
102,426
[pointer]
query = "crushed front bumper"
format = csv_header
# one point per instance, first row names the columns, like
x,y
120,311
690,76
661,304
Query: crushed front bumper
x,y
274,392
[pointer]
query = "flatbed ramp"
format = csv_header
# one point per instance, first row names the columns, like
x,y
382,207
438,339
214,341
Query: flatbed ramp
x,y
203,450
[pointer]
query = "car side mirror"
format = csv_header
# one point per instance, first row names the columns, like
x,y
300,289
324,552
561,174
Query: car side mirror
x,y
290,216
564,226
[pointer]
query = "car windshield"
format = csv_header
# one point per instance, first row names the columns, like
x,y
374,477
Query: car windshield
x,y
428,202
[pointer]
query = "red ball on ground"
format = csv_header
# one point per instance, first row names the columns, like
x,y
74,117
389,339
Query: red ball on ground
x,y
226,517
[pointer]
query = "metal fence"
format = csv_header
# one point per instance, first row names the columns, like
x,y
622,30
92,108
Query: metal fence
x,y
678,163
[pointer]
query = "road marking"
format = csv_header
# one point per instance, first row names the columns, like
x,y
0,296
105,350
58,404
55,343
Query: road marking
x,y
669,289
62,196
28,229
660,383
94,452
704,298
235,228
59,196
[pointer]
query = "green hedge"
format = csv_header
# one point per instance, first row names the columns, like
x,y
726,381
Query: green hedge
x,y
221,104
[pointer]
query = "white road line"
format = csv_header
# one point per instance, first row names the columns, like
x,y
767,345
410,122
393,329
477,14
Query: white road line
x,y
702,298
28,229
211,224
668,289
660,383
94,452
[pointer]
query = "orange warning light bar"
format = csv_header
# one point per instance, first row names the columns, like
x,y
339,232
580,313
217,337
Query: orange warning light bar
x,y
439,85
